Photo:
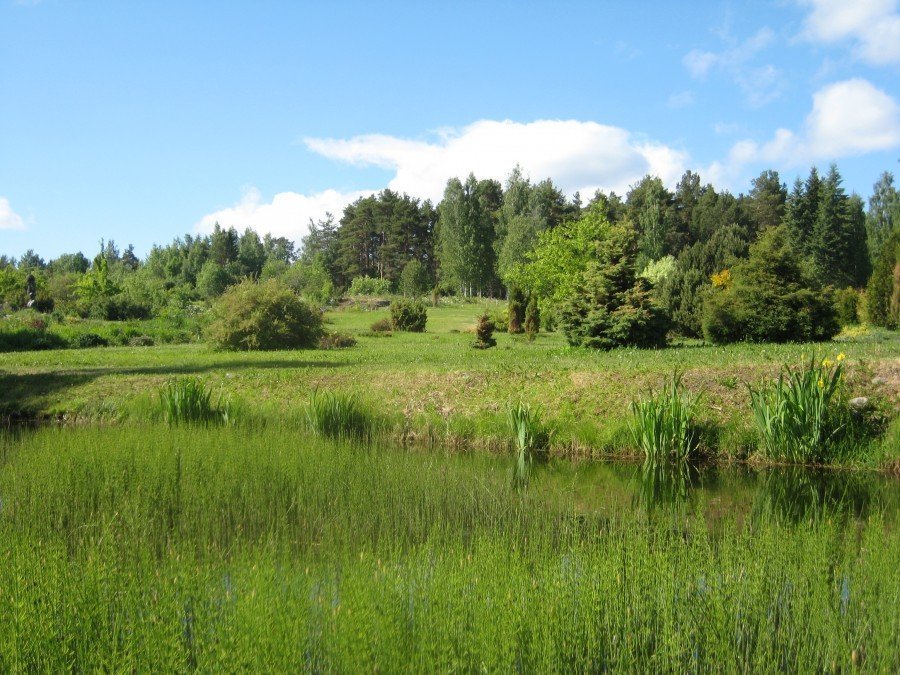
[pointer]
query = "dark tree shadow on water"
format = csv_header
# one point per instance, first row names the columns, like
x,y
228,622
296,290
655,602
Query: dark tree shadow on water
x,y
23,396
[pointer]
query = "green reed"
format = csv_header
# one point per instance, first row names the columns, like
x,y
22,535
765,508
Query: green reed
x,y
531,437
187,400
663,426
212,549
339,415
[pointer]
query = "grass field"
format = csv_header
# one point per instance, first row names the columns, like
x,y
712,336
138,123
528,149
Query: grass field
x,y
148,548
434,387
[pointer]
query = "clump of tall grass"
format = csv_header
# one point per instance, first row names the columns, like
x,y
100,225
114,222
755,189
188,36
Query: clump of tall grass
x,y
799,417
339,415
188,401
531,437
663,426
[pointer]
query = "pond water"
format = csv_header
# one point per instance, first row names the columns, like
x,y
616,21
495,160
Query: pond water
x,y
789,494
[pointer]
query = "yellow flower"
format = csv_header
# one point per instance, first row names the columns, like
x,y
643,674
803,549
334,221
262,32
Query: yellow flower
x,y
821,383
841,357
827,363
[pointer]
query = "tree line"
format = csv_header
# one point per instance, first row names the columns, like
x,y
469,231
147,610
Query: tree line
x,y
672,250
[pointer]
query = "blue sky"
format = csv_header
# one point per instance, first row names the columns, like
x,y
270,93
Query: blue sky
x,y
143,121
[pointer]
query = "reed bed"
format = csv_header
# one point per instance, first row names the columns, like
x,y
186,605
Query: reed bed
x,y
664,425
189,548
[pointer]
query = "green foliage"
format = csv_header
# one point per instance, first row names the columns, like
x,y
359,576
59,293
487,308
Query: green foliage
x,y
799,417
409,315
516,310
310,278
484,333
335,340
664,426
27,331
658,271
369,286
382,326
213,279
883,292
846,306
466,235
414,279
554,268
771,297
263,315
612,306
532,318
88,340
188,401
531,437
337,415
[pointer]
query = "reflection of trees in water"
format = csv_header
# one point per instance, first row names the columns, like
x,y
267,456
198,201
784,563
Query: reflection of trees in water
x,y
795,494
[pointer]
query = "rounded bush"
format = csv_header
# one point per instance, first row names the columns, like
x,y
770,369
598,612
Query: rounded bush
x,y
88,340
409,315
264,315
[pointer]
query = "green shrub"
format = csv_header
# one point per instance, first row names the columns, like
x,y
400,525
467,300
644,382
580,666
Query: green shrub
x,y
484,333
336,341
883,291
612,307
500,318
88,340
264,315
532,318
515,310
770,297
382,326
369,286
188,401
140,341
799,417
409,315
337,415
846,306
27,331
663,426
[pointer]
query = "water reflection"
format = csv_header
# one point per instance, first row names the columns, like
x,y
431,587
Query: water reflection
x,y
740,492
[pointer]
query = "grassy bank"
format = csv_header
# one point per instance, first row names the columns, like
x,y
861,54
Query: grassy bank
x,y
434,387
225,549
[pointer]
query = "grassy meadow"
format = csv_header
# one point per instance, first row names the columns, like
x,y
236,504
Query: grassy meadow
x,y
176,549
434,388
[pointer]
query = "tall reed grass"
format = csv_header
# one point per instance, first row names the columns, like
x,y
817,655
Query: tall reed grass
x,y
801,415
663,426
531,437
339,415
211,549
187,400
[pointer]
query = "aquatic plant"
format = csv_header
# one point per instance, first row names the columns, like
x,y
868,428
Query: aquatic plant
x,y
531,437
339,415
663,426
799,416
187,400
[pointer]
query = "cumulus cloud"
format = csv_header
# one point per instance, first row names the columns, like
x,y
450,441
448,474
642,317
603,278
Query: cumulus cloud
x,y
578,156
9,219
286,215
848,118
759,83
582,156
871,26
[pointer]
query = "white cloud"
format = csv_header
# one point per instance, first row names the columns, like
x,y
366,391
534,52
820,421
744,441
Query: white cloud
x,y
583,156
287,215
760,84
872,26
9,219
848,118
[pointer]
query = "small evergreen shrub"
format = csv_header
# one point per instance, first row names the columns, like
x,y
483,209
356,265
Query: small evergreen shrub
x,y
382,326
336,341
846,303
516,310
369,286
532,318
484,333
500,318
409,315
88,340
264,315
